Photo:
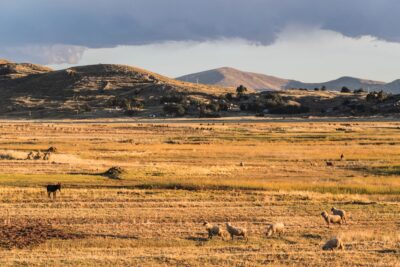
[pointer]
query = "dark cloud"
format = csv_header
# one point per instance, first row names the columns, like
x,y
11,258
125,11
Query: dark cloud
x,y
107,23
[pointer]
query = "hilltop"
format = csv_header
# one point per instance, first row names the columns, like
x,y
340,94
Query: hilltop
x,y
230,77
11,70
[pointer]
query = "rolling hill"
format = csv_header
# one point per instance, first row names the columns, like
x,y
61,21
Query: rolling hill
x,y
336,85
230,77
11,70
90,90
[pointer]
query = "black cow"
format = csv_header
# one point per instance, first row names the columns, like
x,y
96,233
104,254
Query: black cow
x,y
52,189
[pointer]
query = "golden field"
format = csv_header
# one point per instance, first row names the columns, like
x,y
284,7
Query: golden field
x,y
182,173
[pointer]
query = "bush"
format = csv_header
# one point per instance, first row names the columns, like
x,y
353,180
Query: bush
x,y
241,90
223,105
376,96
345,90
176,98
229,96
175,109
359,91
114,172
213,107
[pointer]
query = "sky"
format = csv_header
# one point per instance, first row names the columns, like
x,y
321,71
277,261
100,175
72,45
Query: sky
x,y
307,40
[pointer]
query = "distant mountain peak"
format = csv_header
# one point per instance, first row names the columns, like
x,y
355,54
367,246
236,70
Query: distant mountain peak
x,y
231,77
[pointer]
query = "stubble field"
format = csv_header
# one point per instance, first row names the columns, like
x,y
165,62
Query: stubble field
x,y
179,175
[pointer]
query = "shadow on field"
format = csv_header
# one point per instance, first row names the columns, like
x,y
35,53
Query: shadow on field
x,y
197,238
388,251
312,236
115,236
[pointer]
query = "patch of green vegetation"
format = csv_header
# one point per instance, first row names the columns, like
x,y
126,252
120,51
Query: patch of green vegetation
x,y
384,170
43,179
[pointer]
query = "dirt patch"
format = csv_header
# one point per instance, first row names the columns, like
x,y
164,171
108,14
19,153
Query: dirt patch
x,y
27,234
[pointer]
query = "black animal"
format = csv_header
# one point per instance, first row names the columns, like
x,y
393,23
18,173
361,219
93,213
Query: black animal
x,y
329,164
52,189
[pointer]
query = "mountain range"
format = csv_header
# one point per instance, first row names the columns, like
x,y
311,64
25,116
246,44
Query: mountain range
x,y
230,77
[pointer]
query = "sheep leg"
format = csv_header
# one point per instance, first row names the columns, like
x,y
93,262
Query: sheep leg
x,y
49,194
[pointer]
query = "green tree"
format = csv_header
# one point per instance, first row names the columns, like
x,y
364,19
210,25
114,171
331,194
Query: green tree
x,y
240,91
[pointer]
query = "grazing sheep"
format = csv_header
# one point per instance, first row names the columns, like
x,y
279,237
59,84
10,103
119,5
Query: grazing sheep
x,y
334,243
214,230
329,164
341,213
52,149
7,220
30,156
46,156
39,155
331,219
276,228
236,231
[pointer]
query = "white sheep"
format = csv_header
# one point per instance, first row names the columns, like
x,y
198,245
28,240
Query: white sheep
x,y
276,228
236,231
214,230
331,219
334,243
341,213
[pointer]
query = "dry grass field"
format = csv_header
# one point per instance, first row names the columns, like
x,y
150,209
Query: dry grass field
x,y
179,175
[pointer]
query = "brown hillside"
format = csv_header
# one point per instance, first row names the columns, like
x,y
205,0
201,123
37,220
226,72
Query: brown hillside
x,y
11,70
90,89
231,77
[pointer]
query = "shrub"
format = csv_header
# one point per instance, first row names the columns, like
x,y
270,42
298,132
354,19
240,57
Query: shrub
x,y
223,105
213,107
175,109
229,96
376,96
359,91
240,91
114,172
175,98
345,90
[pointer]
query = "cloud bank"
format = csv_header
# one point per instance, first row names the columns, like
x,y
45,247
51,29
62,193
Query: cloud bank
x,y
105,23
